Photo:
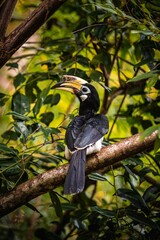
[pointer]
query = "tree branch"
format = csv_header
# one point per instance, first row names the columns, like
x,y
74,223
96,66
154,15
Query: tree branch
x,y
51,179
26,29
6,12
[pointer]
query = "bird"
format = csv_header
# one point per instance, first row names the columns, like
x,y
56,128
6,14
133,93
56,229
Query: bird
x,y
85,133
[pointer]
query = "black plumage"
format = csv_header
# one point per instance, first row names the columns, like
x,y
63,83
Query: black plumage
x,y
84,134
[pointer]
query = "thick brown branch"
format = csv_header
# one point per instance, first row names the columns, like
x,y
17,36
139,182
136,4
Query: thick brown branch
x,y
25,30
45,182
5,14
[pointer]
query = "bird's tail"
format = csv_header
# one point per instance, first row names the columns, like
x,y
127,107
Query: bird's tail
x,y
75,179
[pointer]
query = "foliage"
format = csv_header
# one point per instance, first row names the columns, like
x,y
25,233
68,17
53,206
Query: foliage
x,y
112,43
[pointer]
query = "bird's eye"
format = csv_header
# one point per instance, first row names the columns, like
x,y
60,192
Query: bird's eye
x,y
85,90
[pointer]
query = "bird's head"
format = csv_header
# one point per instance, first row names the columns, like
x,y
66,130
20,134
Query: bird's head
x,y
86,93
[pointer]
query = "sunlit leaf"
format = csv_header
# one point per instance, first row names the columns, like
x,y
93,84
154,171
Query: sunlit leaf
x,y
149,131
157,144
152,81
143,76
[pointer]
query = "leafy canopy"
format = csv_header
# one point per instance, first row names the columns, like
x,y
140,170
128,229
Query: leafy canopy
x,y
114,43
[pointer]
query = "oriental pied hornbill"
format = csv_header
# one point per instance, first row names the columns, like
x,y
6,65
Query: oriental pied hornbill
x,y
84,134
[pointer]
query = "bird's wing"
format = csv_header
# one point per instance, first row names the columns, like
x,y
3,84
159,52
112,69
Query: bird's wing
x,y
73,130
91,131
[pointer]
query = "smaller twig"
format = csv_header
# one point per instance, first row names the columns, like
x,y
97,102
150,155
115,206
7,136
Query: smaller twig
x,y
117,115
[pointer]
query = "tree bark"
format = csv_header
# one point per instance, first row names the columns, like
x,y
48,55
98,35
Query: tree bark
x,y
51,179
26,29
6,10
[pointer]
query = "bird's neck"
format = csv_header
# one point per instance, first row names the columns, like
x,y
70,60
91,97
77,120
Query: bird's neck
x,y
86,109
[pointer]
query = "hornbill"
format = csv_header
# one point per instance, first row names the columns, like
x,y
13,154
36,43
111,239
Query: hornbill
x,y
84,135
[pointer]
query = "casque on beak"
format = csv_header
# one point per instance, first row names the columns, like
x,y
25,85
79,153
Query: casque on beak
x,y
70,83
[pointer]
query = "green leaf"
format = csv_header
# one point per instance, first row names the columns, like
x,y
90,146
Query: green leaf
x,y
21,128
3,100
79,72
97,177
103,212
151,193
134,197
152,81
2,95
149,131
44,93
49,158
67,63
52,99
33,208
132,161
144,171
9,134
40,100
12,65
55,131
82,60
20,103
56,203
47,117
47,131
12,170
157,145
60,147
144,61
143,76
19,79
103,58
130,172
69,206
140,218
96,76
8,150
18,116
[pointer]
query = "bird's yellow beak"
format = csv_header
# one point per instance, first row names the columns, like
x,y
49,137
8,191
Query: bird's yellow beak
x,y
70,83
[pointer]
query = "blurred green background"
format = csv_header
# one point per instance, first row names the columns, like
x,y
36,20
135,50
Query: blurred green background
x,y
114,43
